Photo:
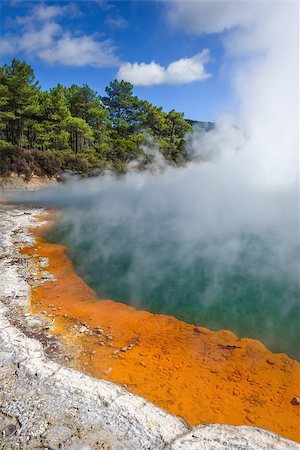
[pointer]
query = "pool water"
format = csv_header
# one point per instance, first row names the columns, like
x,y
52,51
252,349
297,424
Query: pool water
x,y
237,282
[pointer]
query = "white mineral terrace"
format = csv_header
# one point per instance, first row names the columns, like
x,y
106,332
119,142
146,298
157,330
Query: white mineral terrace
x,y
47,405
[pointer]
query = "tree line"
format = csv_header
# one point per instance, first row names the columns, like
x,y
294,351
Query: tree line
x,y
74,128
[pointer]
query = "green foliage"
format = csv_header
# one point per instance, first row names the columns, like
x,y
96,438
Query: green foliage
x,y
122,106
28,162
13,159
92,123
45,163
19,94
81,134
46,132
4,144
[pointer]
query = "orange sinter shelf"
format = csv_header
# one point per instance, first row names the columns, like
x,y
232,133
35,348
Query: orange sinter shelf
x,y
200,375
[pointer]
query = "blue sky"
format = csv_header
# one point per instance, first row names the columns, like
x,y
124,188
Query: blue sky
x,y
94,42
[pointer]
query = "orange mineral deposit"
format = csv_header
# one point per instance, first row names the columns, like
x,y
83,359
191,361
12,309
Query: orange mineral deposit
x,y
200,375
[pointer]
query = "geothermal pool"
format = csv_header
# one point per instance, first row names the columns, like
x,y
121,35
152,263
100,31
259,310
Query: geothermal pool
x,y
235,281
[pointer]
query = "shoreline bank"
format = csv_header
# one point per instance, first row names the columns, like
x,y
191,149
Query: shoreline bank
x,y
15,183
44,402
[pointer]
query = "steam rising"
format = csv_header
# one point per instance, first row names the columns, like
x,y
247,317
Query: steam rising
x,y
215,242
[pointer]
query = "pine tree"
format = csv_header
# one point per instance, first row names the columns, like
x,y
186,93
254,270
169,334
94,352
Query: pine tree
x,y
85,104
52,130
44,131
123,107
19,94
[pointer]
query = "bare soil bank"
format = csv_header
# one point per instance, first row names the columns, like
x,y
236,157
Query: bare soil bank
x,y
15,182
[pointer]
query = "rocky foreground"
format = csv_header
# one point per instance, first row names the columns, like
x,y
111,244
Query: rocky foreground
x,y
46,405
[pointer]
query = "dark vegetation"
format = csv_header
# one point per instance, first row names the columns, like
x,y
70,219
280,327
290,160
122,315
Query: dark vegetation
x,y
75,129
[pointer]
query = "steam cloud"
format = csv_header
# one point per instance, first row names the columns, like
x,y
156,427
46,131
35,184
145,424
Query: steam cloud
x,y
215,232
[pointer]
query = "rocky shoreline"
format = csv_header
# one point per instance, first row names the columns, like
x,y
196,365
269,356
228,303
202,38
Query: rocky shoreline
x,y
46,405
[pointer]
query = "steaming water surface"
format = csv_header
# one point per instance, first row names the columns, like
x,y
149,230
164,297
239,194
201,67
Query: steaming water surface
x,y
194,266
215,243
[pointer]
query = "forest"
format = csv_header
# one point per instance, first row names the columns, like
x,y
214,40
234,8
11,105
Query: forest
x,y
75,129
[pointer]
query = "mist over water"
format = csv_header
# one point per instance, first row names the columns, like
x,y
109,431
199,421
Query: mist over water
x,y
186,242
215,243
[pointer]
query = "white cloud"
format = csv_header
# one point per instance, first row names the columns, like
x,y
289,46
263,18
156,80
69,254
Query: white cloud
x,y
214,16
80,51
43,37
42,13
185,70
116,22
35,40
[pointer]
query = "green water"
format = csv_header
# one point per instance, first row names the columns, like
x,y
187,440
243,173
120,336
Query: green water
x,y
250,294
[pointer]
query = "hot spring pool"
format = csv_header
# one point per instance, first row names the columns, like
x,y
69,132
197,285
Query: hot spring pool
x,y
236,282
